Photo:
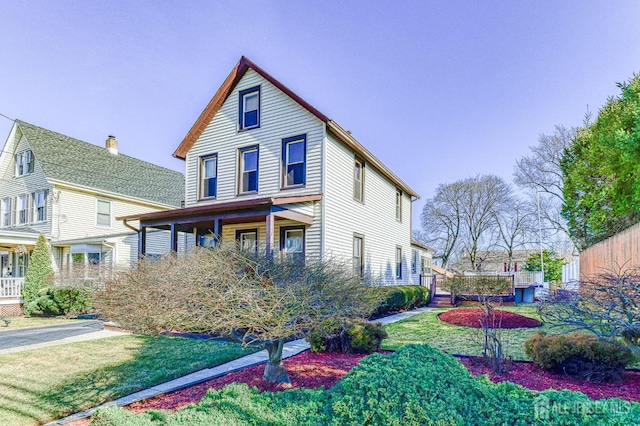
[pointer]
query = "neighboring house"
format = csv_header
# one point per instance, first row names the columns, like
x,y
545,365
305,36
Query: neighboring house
x,y
71,191
264,167
496,261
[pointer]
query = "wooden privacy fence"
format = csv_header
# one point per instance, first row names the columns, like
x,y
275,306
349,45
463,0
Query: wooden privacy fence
x,y
620,250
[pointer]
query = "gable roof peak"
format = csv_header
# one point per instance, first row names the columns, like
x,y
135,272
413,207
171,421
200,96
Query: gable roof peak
x,y
225,91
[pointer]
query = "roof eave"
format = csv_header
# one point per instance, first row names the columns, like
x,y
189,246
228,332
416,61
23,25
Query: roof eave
x,y
346,138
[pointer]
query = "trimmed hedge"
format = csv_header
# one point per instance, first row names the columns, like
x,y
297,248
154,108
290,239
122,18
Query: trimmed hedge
x,y
578,355
417,385
356,336
400,297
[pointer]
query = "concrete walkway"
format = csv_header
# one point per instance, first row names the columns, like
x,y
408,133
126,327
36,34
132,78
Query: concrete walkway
x,y
290,349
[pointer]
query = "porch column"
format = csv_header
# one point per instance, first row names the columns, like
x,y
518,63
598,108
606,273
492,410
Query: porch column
x,y
174,237
142,241
269,234
217,231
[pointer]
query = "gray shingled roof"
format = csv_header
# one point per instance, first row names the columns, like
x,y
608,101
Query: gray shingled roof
x,y
73,161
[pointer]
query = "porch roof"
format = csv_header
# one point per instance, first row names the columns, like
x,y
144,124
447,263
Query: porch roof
x,y
247,209
18,236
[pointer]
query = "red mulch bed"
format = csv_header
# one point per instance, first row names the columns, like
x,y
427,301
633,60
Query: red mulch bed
x,y
471,317
306,370
530,376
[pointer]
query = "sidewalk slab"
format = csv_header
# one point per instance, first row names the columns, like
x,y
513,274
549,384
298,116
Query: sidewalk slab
x,y
290,349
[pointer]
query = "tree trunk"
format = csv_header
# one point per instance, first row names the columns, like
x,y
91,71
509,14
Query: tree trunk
x,y
274,370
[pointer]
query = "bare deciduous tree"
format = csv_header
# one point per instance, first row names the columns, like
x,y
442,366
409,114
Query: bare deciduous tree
x,y
461,216
442,220
540,172
487,197
514,229
255,299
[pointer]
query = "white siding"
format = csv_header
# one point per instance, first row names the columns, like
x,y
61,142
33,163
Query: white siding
x,y
13,186
74,214
280,117
375,218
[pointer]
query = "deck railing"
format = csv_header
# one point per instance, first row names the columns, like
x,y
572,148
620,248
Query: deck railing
x,y
11,288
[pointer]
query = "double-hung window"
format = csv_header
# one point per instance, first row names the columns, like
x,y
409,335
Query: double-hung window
x,y
398,205
6,212
414,261
23,210
103,212
358,180
358,250
398,262
247,239
292,240
209,176
24,163
250,108
248,169
40,206
294,152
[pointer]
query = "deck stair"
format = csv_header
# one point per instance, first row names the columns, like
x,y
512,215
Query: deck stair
x,y
441,301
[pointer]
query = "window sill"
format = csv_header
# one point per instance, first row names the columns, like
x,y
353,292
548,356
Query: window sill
x,y
207,199
243,194
245,129
286,188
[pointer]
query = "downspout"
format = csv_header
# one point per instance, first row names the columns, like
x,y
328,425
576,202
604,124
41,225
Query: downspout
x,y
124,222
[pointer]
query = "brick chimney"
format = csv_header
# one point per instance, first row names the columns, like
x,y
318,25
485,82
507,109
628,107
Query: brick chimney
x,y
112,145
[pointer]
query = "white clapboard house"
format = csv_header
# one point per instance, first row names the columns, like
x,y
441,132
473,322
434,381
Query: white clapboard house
x,y
71,191
264,167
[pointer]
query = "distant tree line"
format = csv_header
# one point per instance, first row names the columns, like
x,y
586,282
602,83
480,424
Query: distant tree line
x,y
578,186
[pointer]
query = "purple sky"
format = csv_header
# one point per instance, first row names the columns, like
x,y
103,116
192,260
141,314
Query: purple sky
x,y
439,91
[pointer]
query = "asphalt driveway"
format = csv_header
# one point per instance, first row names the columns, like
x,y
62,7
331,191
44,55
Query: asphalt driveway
x,y
27,338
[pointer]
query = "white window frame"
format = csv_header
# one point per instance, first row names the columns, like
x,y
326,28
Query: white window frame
x,y
241,236
415,258
24,163
203,175
6,213
358,181
244,173
36,206
398,271
23,209
286,144
358,255
399,205
244,95
284,233
98,214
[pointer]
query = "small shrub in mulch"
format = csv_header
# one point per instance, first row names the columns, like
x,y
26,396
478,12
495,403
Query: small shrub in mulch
x,y
472,317
579,355
532,377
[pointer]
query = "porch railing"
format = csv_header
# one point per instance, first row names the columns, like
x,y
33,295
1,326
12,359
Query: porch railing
x,y
11,288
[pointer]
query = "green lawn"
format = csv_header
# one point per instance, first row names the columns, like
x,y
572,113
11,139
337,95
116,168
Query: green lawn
x,y
45,384
427,328
24,322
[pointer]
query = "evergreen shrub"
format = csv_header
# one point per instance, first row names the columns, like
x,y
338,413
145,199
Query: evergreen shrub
x,y
354,336
578,355
400,297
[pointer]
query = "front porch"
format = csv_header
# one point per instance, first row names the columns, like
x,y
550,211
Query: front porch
x,y
272,223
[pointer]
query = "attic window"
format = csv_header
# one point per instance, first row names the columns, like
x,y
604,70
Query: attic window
x,y
250,108
24,163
